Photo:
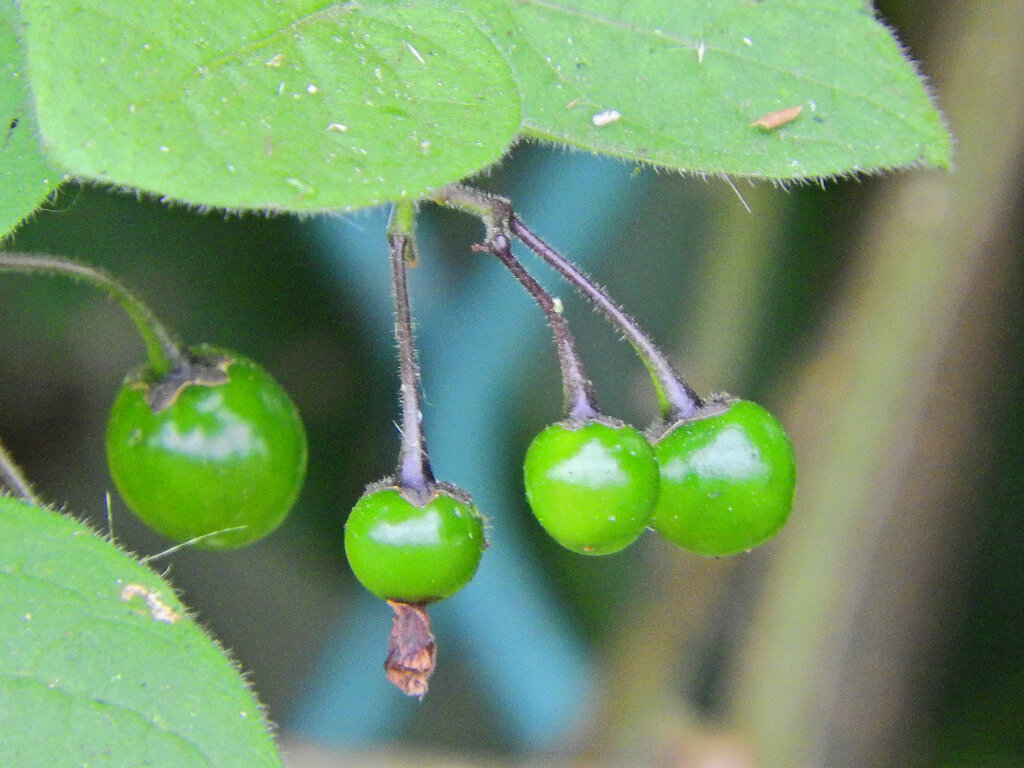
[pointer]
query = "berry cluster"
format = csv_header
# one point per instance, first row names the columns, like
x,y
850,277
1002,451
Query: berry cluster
x,y
207,449
714,476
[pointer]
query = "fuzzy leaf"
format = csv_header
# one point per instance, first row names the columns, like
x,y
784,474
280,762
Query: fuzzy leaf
x,y
101,666
26,177
300,105
682,83
308,105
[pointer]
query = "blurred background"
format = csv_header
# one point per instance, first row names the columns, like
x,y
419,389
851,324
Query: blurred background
x,y
879,318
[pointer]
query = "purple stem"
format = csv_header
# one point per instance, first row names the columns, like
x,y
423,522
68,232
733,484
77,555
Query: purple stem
x,y
580,404
414,472
677,399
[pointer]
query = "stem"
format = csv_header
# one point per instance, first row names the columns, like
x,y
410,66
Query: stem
x,y
414,472
12,477
579,395
164,354
403,221
675,397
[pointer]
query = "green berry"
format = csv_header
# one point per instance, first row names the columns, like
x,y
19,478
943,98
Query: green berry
x,y
727,479
218,446
592,485
413,552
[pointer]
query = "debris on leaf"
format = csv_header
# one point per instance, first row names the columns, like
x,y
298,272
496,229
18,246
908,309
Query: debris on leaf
x,y
606,117
158,609
778,118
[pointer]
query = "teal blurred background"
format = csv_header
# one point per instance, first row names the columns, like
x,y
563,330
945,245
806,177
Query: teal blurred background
x,y
879,318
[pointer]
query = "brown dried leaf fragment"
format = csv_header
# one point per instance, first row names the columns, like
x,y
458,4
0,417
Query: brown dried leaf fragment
x,y
777,119
412,652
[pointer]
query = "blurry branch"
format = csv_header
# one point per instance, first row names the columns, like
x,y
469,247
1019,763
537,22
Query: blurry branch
x,y
736,286
885,396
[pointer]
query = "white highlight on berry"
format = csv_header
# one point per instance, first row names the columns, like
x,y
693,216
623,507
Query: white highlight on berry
x,y
730,455
592,466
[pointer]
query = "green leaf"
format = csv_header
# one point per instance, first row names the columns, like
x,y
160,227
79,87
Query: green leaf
x,y
308,105
101,666
26,178
688,77
300,105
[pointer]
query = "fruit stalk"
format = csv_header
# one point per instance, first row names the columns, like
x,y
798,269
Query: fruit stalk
x,y
580,404
164,354
676,398
414,472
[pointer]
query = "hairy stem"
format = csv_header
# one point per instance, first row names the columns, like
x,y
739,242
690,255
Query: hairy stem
x,y
578,392
676,398
164,354
414,472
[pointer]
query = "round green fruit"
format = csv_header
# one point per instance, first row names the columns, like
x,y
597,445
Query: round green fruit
x,y
727,479
591,485
216,446
414,553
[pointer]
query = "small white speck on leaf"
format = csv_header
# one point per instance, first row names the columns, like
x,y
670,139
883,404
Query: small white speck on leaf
x,y
606,117
415,53
276,60
300,186
747,41
311,88
337,127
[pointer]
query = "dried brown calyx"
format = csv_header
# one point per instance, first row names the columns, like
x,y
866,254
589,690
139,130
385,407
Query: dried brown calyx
x,y
412,652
